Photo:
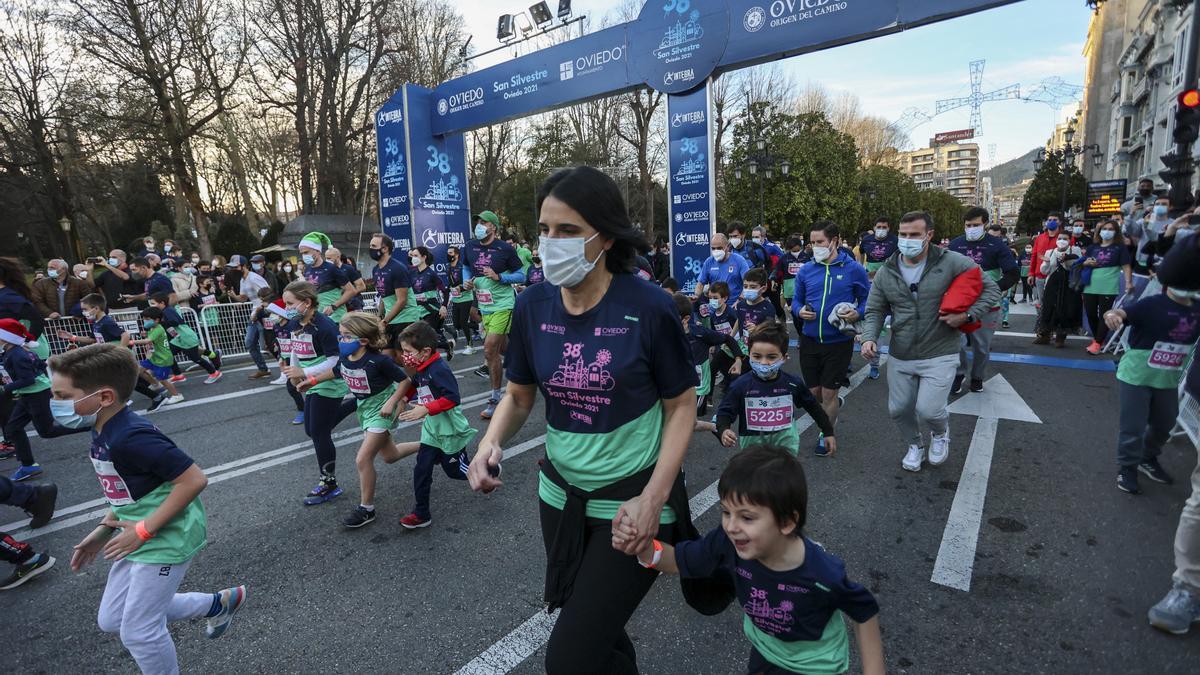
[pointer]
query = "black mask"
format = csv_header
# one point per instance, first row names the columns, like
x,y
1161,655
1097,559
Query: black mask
x,y
537,260
375,253
1145,192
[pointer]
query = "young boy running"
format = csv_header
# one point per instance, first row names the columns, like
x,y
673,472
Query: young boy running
x,y
182,339
157,365
105,329
793,592
762,400
702,340
445,431
152,489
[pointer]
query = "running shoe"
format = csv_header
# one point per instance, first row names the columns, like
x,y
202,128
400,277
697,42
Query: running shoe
x,y
976,385
913,458
489,409
874,372
359,517
231,600
22,573
179,378
157,402
481,371
282,379
7,450
258,375
412,521
939,448
1094,348
1155,472
1176,612
468,350
26,472
299,418
177,398
41,507
323,492
450,351
213,378
1127,480
957,387
1004,324
821,450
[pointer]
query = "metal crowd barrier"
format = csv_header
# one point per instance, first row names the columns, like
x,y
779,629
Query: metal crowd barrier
x,y
129,319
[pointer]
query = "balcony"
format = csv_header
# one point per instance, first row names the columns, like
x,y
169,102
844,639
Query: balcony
x,y
1140,90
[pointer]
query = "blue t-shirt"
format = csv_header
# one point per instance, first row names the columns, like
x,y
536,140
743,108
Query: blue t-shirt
x,y
440,380
791,606
424,281
389,277
158,283
143,456
878,250
318,339
765,406
13,305
171,318
107,330
730,270
536,275
700,339
21,370
352,275
754,254
1113,255
1162,333
455,274
326,277
373,374
724,322
498,255
992,255
750,315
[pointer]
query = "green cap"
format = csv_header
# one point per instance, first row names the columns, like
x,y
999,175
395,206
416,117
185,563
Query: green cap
x,y
490,217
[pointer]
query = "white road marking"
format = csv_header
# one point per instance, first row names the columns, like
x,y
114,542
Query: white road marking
x,y
956,556
523,641
1005,333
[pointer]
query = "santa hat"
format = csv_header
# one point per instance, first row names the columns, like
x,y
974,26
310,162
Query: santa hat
x,y
277,309
316,241
12,332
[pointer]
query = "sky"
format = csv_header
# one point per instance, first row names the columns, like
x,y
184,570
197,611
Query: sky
x,y
1023,44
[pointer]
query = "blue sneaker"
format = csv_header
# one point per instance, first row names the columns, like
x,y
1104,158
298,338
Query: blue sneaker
x,y
230,600
489,409
1176,612
25,473
821,450
299,418
874,373
323,492
1127,480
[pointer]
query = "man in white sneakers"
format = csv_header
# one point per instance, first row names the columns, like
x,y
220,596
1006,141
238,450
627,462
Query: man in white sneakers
x,y
923,355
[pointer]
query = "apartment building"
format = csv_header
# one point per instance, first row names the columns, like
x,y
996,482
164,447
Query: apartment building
x,y
952,167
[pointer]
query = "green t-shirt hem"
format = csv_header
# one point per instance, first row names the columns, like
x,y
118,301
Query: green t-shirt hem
x,y
828,655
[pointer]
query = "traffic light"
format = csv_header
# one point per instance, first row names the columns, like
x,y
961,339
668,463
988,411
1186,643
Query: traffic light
x,y
1187,117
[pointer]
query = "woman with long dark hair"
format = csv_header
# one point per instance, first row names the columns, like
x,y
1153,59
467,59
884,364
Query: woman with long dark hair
x,y
609,355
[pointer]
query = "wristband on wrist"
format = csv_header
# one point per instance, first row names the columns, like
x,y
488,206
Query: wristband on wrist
x,y
657,558
312,380
142,532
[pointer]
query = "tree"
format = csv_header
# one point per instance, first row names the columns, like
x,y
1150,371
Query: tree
x,y
1045,193
946,211
883,192
233,238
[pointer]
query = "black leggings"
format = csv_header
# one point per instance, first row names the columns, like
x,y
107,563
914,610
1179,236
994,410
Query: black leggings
x,y
721,363
1026,290
193,355
462,319
437,322
320,417
33,408
143,388
589,635
297,397
1094,307
773,296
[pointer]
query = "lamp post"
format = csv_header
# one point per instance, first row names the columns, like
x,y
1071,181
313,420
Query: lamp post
x,y
759,162
72,237
1069,153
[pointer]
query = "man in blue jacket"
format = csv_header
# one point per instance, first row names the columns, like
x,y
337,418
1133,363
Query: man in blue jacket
x,y
831,279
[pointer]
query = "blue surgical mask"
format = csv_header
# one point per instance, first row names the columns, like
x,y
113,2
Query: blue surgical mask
x,y
1107,235
480,231
714,303
257,267
750,295
1051,225
308,259
1160,209
113,262
149,323
911,248
64,413
766,371
347,349
292,313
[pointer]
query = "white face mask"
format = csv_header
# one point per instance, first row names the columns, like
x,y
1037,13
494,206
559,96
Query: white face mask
x,y
718,254
821,253
758,240
975,233
881,233
416,260
565,259
736,242
1077,229
1063,244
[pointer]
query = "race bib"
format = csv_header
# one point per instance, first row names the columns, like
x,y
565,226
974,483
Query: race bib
x,y
285,345
724,328
1167,356
484,297
98,336
356,379
208,300
455,293
173,332
302,346
111,483
424,395
793,268
769,413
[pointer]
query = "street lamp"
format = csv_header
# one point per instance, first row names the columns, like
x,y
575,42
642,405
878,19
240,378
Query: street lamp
x,y
1069,153
760,159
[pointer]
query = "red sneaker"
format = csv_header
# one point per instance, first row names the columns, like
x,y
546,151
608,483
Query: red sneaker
x,y
412,521
1094,348
179,378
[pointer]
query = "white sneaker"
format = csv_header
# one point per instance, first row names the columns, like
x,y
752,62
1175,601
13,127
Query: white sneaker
x,y
913,458
282,379
177,398
939,448
469,350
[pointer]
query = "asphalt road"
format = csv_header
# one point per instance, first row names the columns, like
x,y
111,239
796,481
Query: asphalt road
x,y
1063,573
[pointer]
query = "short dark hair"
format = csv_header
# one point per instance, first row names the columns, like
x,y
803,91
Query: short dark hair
x,y
670,283
594,195
161,297
152,313
385,240
794,241
756,275
977,212
1055,214
95,300
419,335
771,477
885,220
914,216
771,332
735,225
719,287
140,262
683,304
827,227
100,365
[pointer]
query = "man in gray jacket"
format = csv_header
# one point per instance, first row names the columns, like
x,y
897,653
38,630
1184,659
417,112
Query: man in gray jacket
x,y
923,355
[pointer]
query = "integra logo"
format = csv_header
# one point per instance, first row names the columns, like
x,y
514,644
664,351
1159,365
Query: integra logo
x,y
433,238
686,75
461,101
698,238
